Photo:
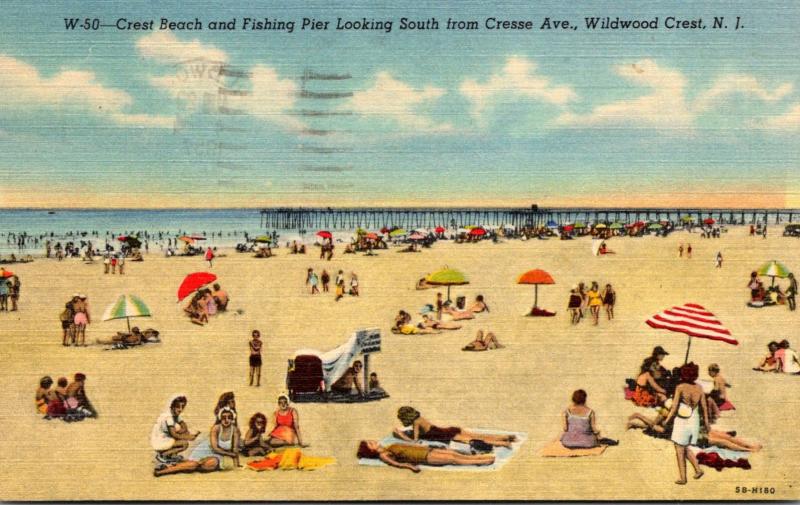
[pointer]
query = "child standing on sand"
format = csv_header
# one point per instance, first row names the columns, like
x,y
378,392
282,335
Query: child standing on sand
x,y
689,251
255,357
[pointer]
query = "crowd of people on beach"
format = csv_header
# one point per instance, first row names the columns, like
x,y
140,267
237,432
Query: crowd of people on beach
x,y
206,303
66,401
761,296
593,300
224,445
341,285
686,412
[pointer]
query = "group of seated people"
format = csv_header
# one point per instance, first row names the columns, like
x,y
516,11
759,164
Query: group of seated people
x,y
296,248
124,340
655,384
780,359
350,383
13,259
432,322
66,401
428,444
761,296
264,251
225,444
206,303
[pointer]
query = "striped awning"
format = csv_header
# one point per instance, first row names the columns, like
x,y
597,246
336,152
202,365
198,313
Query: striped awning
x,y
693,320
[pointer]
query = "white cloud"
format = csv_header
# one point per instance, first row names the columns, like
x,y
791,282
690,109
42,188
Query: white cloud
x,y
199,85
21,86
518,79
396,100
271,97
738,84
667,105
789,121
664,106
165,47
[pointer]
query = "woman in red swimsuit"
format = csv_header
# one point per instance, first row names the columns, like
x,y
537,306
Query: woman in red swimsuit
x,y
287,425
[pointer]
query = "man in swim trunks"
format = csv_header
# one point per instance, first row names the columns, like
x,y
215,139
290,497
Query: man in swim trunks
x,y
350,379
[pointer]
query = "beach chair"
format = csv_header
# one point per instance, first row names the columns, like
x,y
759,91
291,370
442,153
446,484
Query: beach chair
x,y
304,379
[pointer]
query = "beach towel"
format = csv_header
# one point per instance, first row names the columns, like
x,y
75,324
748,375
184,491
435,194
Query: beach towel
x,y
714,460
502,455
556,449
290,459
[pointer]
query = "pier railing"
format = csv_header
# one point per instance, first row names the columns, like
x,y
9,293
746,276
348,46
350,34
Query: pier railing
x,y
342,218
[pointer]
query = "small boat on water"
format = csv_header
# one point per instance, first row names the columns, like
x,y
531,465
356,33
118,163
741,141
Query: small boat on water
x,y
51,212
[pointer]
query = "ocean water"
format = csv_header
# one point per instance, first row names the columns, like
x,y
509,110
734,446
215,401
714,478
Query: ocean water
x,y
227,225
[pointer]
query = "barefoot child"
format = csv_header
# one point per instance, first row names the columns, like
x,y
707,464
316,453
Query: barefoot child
x,y
255,357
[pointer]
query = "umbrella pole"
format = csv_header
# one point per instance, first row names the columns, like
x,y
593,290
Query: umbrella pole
x,y
773,281
688,346
448,293
535,295
129,323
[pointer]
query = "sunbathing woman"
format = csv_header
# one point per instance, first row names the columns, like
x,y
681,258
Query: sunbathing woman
x,y
254,443
658,427
287,425
44,395
478,306
483,342
648,393
457,315
770,362
411,456
409,329
429,322
424,430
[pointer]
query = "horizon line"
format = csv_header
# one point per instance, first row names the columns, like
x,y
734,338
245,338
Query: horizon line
x,y
404,207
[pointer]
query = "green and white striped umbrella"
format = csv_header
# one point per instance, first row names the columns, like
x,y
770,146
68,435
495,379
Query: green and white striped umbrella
x,y
774,269
126,307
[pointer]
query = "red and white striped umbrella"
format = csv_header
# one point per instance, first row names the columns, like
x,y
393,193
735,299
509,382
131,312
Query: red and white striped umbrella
x,y
693,320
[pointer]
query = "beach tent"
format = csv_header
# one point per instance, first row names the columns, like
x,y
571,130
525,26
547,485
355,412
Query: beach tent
x,y
126,307
336,361
536,277
193,282
774,269
693,320
446,277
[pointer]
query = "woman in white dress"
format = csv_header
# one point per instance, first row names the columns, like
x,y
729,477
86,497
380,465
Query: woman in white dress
x,y
688,410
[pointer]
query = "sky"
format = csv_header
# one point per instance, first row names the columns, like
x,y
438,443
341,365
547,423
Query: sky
x,y
240,118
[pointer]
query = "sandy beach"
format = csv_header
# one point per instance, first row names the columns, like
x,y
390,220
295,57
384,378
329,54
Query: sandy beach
x,y
524,387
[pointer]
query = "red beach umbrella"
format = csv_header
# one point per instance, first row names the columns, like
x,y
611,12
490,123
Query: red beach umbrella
x,y
122,238
477,232
324,234
5,274
193,282
693,320
372,236
439,229
384,230
569,227
709,220
535,277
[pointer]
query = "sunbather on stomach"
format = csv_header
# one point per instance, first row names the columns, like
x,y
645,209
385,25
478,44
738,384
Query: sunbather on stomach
x,y
422,429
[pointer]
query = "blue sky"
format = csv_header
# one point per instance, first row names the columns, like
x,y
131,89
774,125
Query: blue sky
x,y
652,117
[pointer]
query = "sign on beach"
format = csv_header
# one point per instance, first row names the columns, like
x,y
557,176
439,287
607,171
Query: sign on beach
x,y
369,340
